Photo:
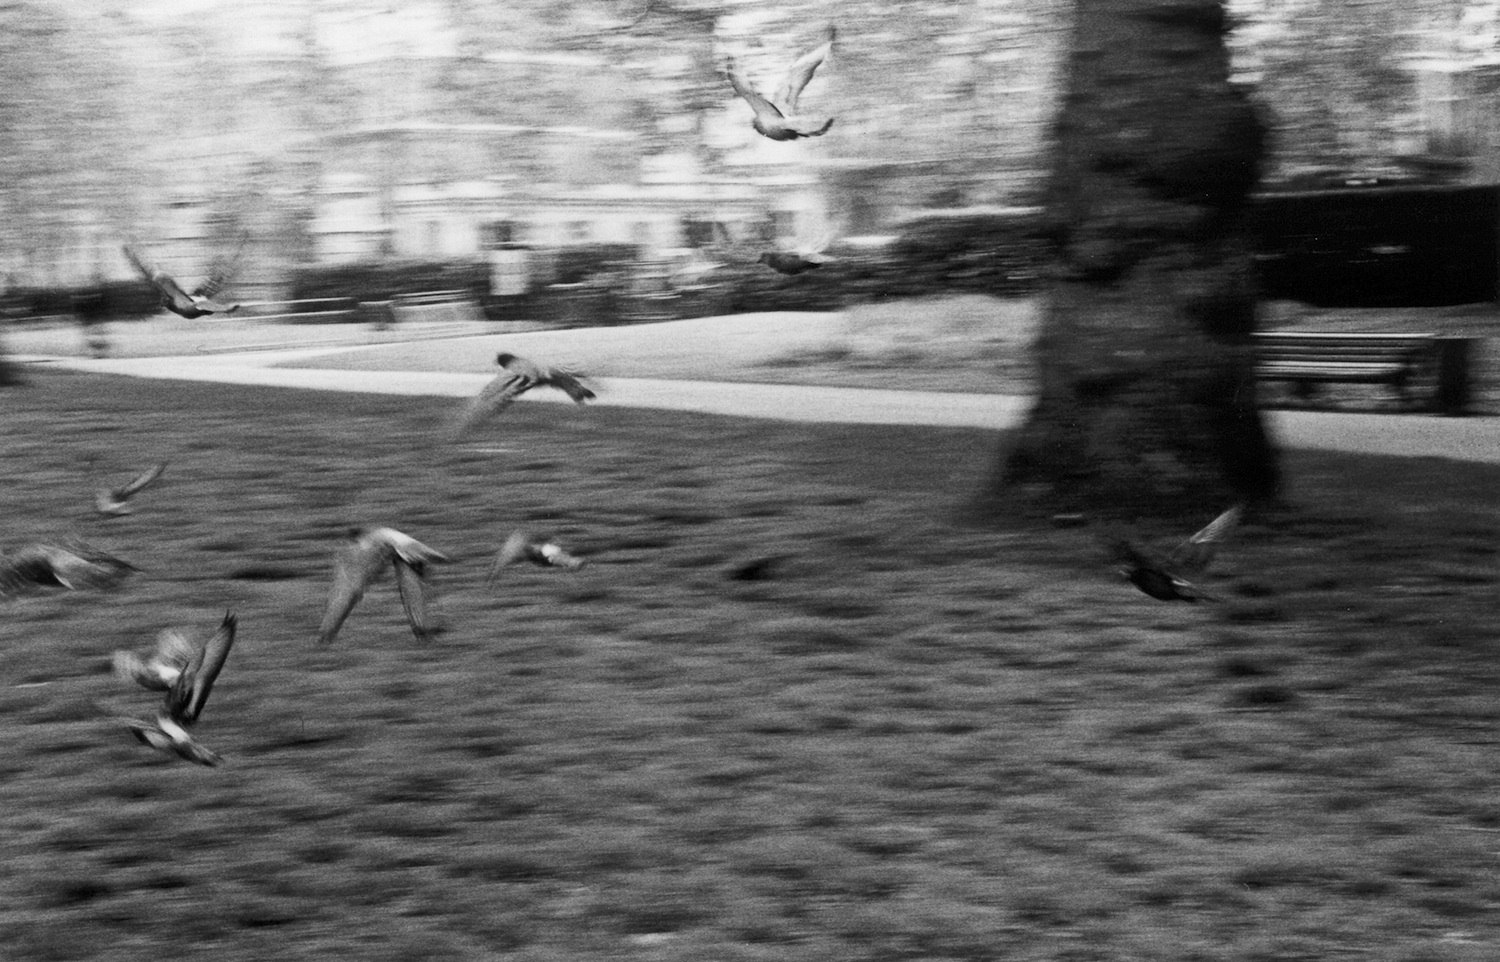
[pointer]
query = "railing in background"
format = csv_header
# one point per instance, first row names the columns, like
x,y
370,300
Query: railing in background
x,y
328,310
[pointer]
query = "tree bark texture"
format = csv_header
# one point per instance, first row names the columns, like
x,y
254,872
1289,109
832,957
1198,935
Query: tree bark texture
x,y
1147,399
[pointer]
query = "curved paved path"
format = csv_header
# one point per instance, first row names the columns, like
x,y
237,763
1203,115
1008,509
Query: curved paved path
x,y
1469,439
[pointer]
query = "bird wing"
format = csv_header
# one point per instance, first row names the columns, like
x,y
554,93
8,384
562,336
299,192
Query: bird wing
x,y
494,398
173,649
140,482
571,384
1194,554
221,271
410,550
801,73
146,268
513,550
158,278
353,568
204,669
763,108
409,583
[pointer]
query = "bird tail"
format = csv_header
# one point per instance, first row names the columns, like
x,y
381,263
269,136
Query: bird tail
x,y
575,388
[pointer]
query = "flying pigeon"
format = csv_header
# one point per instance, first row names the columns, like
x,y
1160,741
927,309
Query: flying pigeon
x,y
1166,577
777,118
521,546
112,501
360,561
186,672
200,302
520,376
798,260
49,566
160,669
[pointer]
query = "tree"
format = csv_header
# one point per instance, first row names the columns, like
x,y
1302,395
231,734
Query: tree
x,y
1147,400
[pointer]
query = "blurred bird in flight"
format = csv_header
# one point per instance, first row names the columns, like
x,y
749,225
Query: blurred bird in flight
x,y
187,673
112,501
520,376
51,566
777,117
201,301
521,546
1166,577
361,559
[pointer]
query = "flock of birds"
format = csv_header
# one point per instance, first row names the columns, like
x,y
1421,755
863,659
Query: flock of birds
x,y
186,669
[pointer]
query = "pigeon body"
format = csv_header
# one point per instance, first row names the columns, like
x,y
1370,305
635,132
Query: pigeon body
x,y
520,375
200,301
521,546
113,501
788,262
361,560
1166,578
192,670
777,117
805,257
49,566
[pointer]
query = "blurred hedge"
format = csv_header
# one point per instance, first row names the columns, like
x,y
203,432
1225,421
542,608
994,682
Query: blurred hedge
x,y
107,300
380,281
1403,246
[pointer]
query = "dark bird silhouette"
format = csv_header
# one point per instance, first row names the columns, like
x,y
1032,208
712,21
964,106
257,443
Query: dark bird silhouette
x,y
1166,577
112,501
520,376
49,566
797,260
187,673
521,546
777,118
201,301
361,559
756,569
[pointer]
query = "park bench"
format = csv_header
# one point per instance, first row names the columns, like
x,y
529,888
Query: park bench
x,y
1420,369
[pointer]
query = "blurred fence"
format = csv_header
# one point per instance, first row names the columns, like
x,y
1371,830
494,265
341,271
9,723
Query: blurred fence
x,y
309,310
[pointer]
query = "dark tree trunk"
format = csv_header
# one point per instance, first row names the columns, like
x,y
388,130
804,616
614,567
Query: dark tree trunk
x,y
1147,394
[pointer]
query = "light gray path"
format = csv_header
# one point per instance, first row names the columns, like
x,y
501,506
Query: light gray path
x,y
1470,439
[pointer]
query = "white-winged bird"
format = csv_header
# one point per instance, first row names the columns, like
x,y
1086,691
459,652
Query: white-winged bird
x,y
520,375
112,501
521,546
201,301
192,673
360,561
1167,577
777,118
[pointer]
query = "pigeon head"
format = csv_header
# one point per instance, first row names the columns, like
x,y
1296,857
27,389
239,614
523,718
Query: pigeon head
x,y
503,359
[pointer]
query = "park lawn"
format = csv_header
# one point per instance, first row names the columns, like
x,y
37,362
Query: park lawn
x,y
918,739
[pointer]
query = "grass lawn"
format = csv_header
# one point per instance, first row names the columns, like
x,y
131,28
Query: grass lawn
x,y
917,740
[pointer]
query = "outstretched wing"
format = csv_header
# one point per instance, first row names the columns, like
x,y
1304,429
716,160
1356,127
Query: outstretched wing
x,y
763,108
571,383
157,277
221,271
351,575
801,73
189,693
140,482
496,397
413,598
1194,554
514,549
